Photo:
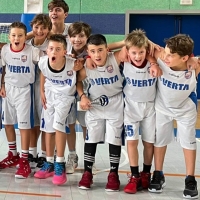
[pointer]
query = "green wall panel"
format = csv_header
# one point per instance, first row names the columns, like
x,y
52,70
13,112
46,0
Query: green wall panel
x,y
104,6
74,6
114,38
11,6
175,5
121,6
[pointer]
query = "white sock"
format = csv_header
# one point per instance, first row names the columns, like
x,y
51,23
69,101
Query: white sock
x,y
33,151
60,159
50,159
72,152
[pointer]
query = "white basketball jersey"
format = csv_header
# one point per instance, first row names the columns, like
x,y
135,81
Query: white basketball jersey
x,y
175,89
20,67
1,68
83,54
105,80
139,85
65,33
63,82
42,47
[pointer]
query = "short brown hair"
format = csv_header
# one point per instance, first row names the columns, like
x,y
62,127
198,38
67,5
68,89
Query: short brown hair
x,y
78,27
42,19
181,44
58,3
136,38
59,38
19,25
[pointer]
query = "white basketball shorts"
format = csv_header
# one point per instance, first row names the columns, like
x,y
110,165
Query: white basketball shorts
x,y
110,116
139,117
185,130
18,106
55,116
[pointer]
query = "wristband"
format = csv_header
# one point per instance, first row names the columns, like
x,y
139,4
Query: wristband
x,y
87,57
82,95
153,63
2,83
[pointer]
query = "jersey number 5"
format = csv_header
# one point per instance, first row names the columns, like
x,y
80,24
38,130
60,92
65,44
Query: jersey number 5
x,y
129,130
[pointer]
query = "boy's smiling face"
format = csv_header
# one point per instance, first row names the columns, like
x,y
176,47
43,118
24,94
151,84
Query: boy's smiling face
x,y
78,41
57,15
137,55
174,60
40,31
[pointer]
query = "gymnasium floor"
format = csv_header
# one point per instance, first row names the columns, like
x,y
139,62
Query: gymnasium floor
x,y
35,189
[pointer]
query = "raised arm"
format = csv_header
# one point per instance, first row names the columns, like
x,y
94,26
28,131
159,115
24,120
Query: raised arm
x,y
116,45
3,91
153,47
84,101
155,70
29,35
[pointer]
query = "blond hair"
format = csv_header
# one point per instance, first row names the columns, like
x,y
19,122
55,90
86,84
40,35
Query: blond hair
x,y
136,38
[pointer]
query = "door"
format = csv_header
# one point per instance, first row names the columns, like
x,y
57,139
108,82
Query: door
x,y
161,26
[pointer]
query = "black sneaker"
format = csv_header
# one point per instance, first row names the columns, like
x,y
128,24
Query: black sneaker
x,y
190,191
32,161
157,182
40,162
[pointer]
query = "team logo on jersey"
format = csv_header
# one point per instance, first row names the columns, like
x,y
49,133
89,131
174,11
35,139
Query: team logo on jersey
x,y
70,73
103,100
188,74
110,68
24,58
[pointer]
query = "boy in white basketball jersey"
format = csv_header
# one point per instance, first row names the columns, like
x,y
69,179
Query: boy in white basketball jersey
x,y
41,26
139,111
106,82
176,99
18,60
58,12
78,34
58,87
1,68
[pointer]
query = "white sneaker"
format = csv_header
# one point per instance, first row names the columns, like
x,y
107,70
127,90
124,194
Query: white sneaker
x,y
94,169
72,163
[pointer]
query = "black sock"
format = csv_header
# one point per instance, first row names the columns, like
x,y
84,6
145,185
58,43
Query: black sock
x,y
89,156
114,153
135,171
146,168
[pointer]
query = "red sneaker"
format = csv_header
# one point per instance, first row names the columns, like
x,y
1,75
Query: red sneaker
x,y
86,181
9,161
113,183
145,179
133,185
24,169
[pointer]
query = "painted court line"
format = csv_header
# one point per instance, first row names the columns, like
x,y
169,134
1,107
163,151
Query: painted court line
x,y
29,194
